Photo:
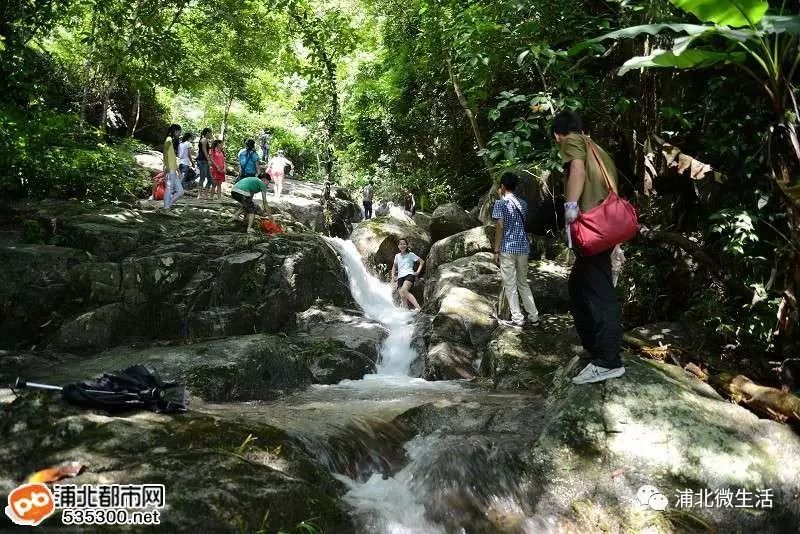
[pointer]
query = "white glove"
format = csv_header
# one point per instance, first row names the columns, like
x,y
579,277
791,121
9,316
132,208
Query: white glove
x,y
571,212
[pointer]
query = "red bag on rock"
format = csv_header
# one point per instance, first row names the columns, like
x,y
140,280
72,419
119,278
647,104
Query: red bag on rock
x,y
607,225
270,227
159,185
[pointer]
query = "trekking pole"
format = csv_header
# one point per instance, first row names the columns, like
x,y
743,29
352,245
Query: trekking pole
x,y
19,384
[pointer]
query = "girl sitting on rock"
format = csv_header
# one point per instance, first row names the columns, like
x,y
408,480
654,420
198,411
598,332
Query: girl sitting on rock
x,y
404,274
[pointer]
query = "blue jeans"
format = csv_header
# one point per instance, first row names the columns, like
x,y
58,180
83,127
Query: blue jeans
x,y
265,153
205,173
173,189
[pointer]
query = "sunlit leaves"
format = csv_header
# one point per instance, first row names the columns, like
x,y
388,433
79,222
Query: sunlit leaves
x,y
733,13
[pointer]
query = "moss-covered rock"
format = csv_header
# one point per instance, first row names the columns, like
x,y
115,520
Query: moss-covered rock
x,y
656,425
219,475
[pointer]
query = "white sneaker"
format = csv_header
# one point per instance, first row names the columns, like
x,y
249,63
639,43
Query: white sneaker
x,y
511,324
251,230
594,373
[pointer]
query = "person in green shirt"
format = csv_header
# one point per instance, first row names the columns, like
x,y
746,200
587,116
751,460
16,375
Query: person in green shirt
x,y
593,300
173,188
243,193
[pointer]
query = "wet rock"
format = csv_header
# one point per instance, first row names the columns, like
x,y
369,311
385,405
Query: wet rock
x,y
448,360
219,474
331,361
464,316
347,326
423,329
478,273
449,219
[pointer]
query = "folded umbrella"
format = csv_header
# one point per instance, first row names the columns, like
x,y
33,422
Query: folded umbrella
x,y
135,388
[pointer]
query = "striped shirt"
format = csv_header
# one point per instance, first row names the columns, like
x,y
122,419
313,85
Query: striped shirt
x,y
512,211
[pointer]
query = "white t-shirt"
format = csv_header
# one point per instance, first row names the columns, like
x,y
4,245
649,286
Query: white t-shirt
x,y
405,263
183,153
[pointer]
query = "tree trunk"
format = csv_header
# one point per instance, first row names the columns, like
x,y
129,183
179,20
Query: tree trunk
x,y
762,400
87,67
106,104
228,104
472,121
137,107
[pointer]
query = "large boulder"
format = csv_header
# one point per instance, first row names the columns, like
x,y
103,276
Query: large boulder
x,y
658,426
220,473
34,290
376,239
531,357
459,331
350,327
460,245
537,190
477,273
94,330
449,219
448,360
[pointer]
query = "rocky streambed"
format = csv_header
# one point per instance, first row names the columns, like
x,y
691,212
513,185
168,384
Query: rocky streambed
x,y
315,400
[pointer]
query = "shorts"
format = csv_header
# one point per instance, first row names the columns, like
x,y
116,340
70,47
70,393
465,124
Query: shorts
x,y
246,202
409,277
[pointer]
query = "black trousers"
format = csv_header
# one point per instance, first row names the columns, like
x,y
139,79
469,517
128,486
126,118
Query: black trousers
x,y
367,209
594,306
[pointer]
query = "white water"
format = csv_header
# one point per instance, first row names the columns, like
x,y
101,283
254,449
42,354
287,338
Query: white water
x,y
375,298
416,498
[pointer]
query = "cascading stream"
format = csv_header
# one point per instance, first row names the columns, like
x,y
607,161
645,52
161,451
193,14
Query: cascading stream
x,y
441,480
375,298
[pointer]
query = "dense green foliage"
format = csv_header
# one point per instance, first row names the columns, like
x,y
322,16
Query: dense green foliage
x,y
437,97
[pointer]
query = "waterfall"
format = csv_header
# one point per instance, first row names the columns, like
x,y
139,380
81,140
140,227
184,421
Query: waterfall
x,y
375,298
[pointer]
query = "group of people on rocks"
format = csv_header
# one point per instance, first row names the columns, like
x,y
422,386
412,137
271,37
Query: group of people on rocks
x,y
593,300
210,160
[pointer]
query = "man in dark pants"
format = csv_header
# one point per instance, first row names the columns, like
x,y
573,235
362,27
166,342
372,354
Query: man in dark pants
x,y
367,194
593,300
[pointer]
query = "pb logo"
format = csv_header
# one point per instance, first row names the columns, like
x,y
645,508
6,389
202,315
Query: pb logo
x,y
30,504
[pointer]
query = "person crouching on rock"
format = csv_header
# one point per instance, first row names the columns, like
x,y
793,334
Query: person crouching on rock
x,y
243,193
403,272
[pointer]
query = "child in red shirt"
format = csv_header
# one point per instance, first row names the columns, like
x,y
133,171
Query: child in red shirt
x,y
217,168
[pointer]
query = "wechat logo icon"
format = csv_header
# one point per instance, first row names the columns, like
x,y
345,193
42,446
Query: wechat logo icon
x,y
649,497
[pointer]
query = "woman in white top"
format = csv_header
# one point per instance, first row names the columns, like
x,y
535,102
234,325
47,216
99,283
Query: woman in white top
x,y
275,168
404,274
185,160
